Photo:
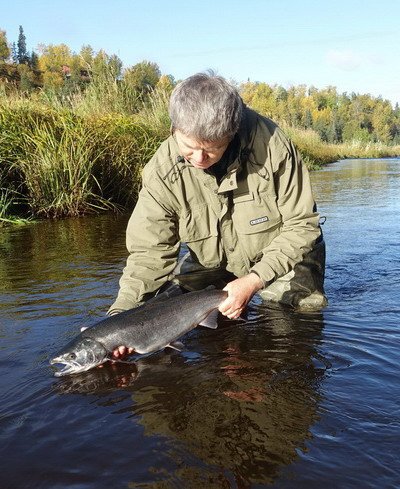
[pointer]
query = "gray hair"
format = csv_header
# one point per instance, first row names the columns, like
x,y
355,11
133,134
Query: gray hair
x,y
206,107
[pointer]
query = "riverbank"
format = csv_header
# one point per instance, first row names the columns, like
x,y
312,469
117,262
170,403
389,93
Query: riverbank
x,y
316,153
69,159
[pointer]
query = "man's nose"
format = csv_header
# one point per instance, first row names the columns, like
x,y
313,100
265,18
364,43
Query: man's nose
x,y
199,156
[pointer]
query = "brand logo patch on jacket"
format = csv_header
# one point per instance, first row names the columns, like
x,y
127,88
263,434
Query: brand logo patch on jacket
x,y
259,220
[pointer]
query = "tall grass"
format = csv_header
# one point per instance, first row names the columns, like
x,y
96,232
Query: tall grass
x,y
127,144
10,200
51,156
105,94
57,169
68,162
316,153
154,113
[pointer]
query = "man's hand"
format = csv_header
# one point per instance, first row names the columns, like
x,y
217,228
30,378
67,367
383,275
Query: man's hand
x,y
122,352
240,291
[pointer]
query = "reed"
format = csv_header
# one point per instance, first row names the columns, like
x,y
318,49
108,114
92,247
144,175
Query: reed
x,y
6,202
125,145
105,94
316,153
10,200
69,163
154,113
51,156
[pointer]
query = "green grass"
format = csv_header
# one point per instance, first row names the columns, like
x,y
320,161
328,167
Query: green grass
x,y
316,153
69,162
50,157
10,200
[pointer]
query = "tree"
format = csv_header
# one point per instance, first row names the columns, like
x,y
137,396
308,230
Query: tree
x,y
105,67
382,119
54,57
52,80
322,122
166,83
34,61
22,54
334,132
260,96
27,78
14,53
143,77
308,120
4,49
86,56
281,94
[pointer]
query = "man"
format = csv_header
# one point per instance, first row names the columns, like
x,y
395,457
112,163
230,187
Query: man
x,y
230,185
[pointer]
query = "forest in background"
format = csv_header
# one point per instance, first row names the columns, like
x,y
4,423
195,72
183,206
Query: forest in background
x,y
76,128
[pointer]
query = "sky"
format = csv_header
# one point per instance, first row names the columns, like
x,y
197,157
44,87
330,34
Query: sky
x,y
353,45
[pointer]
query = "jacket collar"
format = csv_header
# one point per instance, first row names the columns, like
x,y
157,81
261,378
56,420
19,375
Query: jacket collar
x,y
246,135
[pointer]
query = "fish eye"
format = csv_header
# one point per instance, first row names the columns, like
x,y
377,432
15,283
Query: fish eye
x,y
71,356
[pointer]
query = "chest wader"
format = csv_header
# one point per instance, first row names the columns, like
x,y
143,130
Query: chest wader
x,y
303,287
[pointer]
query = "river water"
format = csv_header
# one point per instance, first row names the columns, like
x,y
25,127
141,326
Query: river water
x,y
284,400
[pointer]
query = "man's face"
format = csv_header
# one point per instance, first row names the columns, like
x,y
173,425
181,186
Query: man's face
x,y
201,154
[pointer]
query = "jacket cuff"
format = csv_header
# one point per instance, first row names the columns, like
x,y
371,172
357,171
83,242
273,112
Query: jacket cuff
x,y
264,272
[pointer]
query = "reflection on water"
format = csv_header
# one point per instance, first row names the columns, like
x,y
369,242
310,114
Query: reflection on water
x,y
284,399
241,404
244,409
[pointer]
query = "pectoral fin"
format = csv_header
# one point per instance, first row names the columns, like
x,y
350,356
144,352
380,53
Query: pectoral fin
x,y
176,345
211,320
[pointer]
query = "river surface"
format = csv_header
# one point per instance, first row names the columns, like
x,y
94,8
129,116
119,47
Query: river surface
x,y
284,400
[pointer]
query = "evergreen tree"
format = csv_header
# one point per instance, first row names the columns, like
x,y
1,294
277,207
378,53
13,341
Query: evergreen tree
x,y
334,131
34,61
308,119
14,53
22,54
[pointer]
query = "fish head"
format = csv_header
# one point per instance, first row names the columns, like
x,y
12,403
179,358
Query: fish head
x,y
79,355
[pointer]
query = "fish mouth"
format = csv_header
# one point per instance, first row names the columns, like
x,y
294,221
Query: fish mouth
x,y
69,367
64,367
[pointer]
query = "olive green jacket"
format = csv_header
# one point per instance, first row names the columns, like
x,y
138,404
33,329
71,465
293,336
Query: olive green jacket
x,y
261,217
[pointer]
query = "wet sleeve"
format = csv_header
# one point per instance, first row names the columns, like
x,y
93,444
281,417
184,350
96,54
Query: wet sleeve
x,y
153,245
300,221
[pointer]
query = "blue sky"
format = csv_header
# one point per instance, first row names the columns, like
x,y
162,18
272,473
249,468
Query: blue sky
x,y
353,45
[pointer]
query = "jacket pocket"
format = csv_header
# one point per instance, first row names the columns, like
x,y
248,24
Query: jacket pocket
x,y
257,222
254,214
198,228
197,224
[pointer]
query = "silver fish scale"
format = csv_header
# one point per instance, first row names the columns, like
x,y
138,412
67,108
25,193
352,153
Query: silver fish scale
x,y
153,326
